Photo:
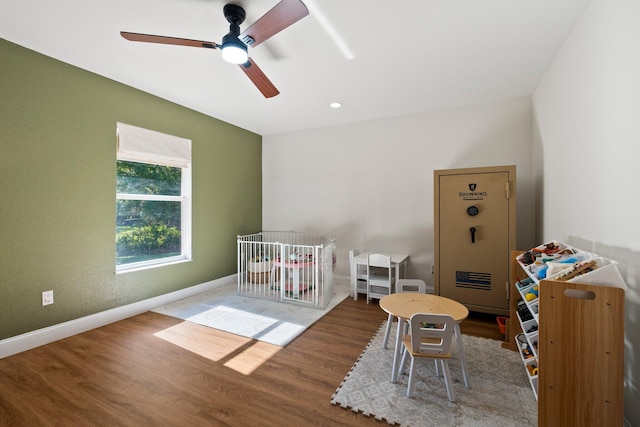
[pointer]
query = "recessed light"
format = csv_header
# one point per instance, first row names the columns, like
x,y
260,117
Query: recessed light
x,y
335,105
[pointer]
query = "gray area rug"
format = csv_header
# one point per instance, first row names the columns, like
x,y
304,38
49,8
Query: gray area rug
x,y
500,394
264,320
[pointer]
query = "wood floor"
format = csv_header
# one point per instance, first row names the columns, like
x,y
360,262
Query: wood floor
x,y
153,370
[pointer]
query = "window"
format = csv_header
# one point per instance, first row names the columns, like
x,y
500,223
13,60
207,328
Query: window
x,y
153,198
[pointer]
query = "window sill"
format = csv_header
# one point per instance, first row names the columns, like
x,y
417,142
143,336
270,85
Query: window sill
x,y
121,269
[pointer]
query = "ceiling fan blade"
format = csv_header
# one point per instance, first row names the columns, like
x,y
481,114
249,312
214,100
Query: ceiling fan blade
x,y
148,38
281,16
259,79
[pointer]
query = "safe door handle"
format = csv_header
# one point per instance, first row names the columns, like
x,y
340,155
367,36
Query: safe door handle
x,y
473,234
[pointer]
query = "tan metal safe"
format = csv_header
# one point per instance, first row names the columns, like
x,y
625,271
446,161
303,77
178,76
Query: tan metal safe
x,y
475,232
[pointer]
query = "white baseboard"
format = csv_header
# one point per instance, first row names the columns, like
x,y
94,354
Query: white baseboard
x,y
33,339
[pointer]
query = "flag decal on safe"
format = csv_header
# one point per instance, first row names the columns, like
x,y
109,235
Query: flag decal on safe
x,y
473,280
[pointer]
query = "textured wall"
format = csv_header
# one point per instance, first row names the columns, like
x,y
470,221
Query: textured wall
x,y
57,191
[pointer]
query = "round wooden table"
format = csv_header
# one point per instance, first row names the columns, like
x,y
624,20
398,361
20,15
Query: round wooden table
x,y
405,304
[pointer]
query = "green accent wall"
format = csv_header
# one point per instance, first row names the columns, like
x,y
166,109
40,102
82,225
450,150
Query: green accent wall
x,y
57,191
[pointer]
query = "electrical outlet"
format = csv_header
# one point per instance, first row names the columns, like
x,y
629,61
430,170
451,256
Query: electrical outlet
x,y
47,298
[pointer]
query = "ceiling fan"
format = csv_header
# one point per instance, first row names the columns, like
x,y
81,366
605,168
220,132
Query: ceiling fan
x,y
234,43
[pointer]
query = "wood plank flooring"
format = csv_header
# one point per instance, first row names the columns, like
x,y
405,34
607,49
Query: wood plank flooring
x,y
153,370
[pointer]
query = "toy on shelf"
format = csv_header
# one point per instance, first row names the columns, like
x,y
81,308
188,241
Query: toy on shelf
x,y
578,269
532,294
550,259
524,283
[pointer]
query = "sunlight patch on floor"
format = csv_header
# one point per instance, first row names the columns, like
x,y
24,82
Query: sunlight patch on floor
x,y
253,357
210,343
241,354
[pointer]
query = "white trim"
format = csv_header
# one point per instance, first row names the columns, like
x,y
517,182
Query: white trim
x,y
33,339
145,265
152,197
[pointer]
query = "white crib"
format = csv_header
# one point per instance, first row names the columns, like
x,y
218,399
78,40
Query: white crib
x,y
286,266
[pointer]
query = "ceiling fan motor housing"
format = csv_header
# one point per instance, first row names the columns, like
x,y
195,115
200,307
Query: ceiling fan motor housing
x,y
235,14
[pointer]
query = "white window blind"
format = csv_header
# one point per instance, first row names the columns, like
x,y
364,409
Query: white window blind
x,y
143,145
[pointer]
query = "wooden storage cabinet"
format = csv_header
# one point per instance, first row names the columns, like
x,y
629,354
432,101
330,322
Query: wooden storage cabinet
x,y
581,355
575,334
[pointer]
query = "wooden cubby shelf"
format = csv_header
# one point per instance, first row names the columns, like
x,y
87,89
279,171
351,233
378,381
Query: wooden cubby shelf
x,y
570,334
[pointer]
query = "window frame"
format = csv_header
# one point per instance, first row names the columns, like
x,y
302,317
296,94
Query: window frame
x,y
148,155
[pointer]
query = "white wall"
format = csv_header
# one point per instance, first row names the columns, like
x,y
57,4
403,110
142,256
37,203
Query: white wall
x,y
370,184
587,114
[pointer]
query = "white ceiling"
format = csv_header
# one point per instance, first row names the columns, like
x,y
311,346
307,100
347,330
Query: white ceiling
x,y
379,58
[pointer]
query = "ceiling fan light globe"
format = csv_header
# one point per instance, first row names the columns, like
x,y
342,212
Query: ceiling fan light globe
x,y
233,50
234,54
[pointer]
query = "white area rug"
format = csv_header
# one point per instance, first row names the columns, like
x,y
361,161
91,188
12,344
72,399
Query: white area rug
x,y
500,394
264,320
